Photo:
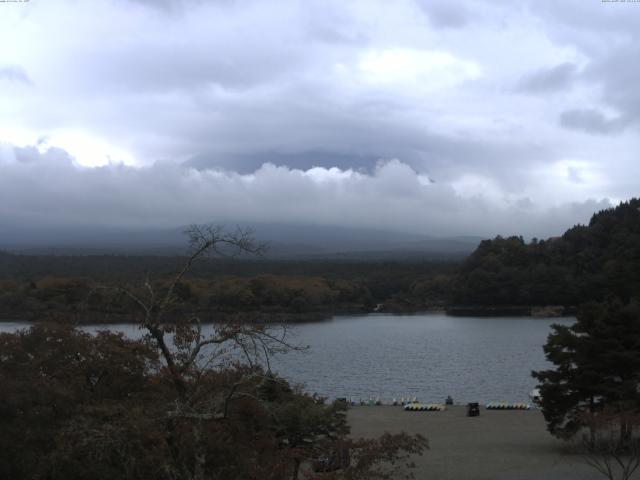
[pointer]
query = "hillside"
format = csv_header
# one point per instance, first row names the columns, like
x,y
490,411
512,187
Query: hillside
x,y
586,263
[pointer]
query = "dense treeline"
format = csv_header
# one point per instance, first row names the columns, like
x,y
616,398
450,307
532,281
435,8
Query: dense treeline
x,y
41,285
587,263
266,294
127,267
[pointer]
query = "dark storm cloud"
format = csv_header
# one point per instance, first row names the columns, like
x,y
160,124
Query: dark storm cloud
x,y
172,7
594,27
253,133
619,76
548,79
591,121
443,14
168,4
229,61
606,33
233,108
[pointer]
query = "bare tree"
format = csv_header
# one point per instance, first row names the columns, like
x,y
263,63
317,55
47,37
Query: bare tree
x,y
611,447
188,353
203,390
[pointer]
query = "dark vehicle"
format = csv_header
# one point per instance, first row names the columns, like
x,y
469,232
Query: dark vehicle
x,y
473,409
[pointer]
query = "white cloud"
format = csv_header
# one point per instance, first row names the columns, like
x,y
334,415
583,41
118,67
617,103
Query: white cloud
x,y
49,188
88,150
418,69
322,89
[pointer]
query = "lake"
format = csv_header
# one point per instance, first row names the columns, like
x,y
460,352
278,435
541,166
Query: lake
x,y
428,356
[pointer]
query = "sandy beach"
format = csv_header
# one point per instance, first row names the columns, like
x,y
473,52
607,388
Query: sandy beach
x,y
512,444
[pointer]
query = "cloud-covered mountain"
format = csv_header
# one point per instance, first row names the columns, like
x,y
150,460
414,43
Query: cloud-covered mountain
x,y
140,113
283,240
46,189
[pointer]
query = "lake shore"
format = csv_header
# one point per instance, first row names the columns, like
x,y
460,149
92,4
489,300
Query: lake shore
x,y
540,311
497,445
288,317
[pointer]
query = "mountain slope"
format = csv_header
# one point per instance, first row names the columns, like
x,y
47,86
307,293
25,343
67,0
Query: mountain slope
x,y
587,263
285,240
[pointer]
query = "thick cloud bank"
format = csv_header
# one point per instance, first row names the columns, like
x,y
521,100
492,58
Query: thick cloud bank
x,y
504,117
45,187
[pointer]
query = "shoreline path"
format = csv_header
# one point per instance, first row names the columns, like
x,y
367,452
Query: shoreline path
x,y
497,445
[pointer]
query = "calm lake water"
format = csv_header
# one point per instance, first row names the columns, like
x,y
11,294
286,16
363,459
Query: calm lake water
x,y
428,356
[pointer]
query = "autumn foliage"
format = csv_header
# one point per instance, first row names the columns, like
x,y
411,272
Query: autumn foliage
x,y
80,406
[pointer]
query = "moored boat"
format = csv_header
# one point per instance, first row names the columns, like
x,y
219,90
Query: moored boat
x,y
535,397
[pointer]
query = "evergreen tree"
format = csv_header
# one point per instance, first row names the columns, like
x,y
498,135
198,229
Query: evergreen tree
x,y
588,262
597,364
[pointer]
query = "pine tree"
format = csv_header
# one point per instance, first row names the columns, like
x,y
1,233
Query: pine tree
x,y
597,364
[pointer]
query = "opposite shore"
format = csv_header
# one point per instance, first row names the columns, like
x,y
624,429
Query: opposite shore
x,y
89,318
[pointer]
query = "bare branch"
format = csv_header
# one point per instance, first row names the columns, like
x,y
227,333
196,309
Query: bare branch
x,y
204,239
611,447
129,294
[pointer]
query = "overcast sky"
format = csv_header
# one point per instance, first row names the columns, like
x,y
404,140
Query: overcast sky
x,y
441,117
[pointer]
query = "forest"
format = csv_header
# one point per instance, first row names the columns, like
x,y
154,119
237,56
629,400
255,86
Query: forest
x,y
588,262
506,274
33,286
